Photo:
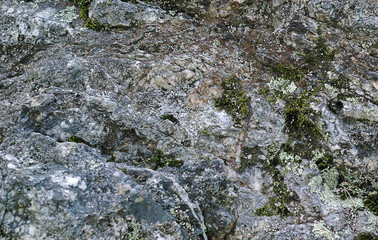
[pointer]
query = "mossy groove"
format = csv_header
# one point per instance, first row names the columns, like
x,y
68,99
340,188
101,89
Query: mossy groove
x,y
299,117
159,160
366,236
283,196
234,100
83,5
170,117
321,54
78,140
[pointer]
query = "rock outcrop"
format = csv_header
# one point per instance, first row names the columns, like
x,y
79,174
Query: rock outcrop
x,y
240,119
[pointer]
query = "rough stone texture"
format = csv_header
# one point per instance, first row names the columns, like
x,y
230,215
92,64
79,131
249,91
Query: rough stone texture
x,y
114,134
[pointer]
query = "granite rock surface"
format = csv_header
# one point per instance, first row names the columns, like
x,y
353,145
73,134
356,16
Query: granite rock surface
x,y
197,119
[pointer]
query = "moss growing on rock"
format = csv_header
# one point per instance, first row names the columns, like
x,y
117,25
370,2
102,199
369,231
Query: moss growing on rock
x,y
340,83
83,5
77,140
289,72
249,157
277,204
159,160
300,118
366,236
273,208
298,115
324,162
371,202
233,100
321,54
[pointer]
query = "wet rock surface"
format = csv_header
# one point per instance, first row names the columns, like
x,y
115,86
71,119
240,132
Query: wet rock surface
x,y
188,119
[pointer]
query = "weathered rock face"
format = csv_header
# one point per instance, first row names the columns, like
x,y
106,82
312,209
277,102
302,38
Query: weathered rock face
x,y
188,119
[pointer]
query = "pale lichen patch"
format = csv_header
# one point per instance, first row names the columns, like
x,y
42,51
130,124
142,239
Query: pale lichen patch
x,y
68,14
282,85
321,231
318,185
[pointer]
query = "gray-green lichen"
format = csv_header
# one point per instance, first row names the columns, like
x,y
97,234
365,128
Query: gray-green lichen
x,y
291,162
321,231
327,195
183,219
283,196
333,92
68,14
282,86
330,177
134,234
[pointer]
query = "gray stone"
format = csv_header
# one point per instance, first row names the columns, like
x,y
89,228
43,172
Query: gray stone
x,y
115,134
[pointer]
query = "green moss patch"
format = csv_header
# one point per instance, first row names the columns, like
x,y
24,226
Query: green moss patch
x,y
326,161
249,157
273,208
233,100
77,140
371,202
340,83
83,5
321,54
299,117
366,236
159,160
282,196
289,72
277,205
298,94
